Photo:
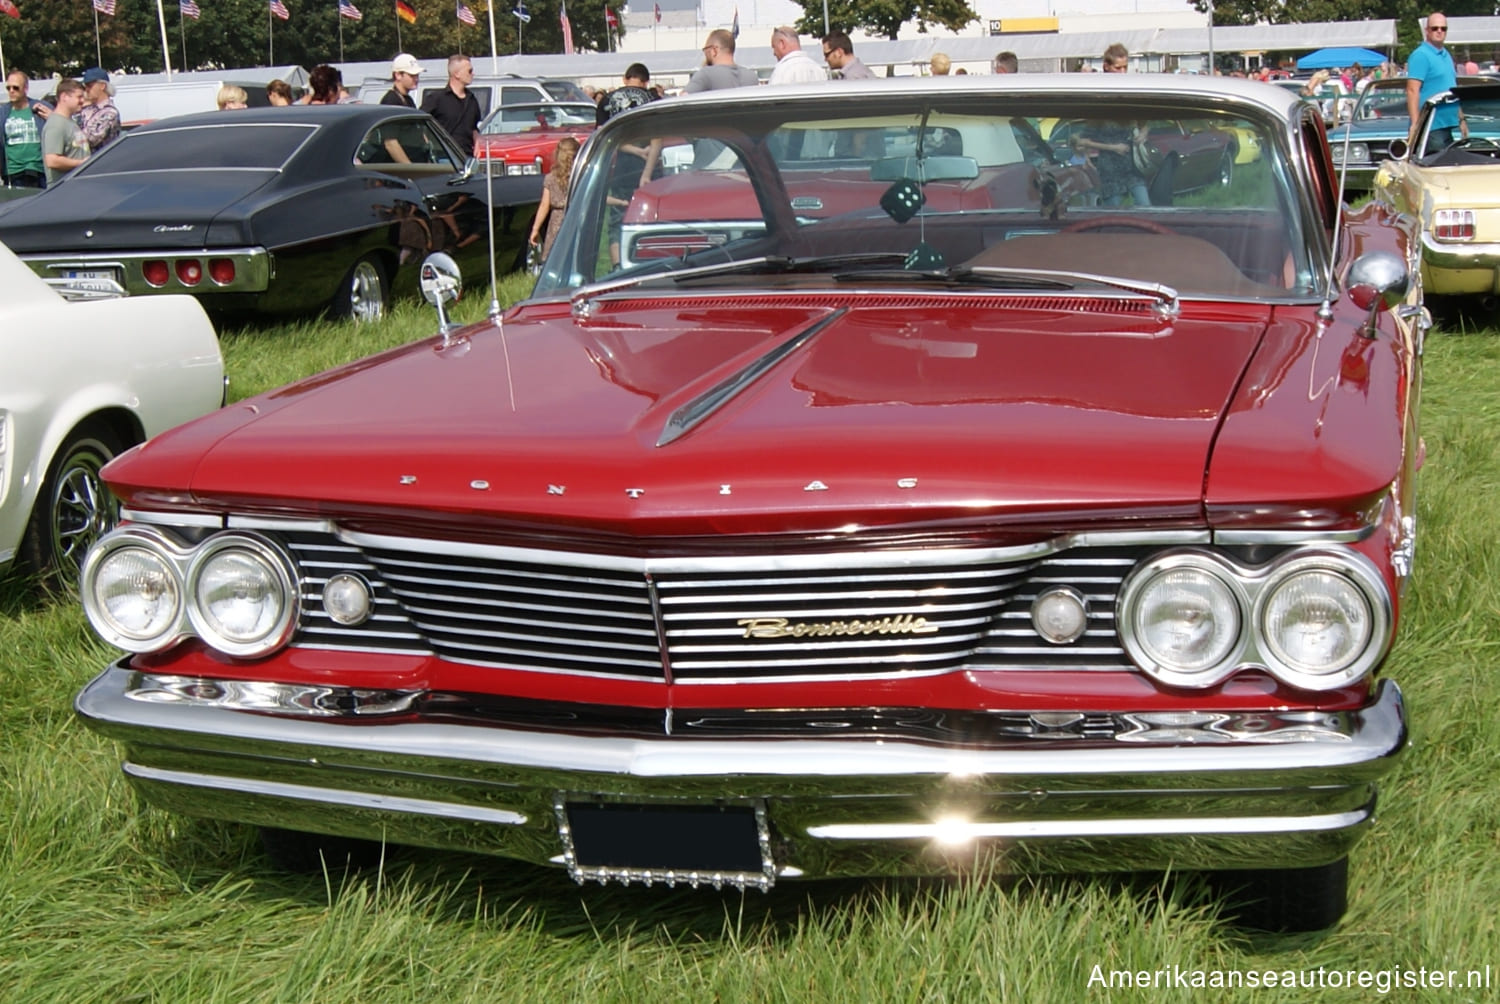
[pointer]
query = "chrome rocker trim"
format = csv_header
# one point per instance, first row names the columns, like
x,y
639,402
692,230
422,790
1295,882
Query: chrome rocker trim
x,y
833,806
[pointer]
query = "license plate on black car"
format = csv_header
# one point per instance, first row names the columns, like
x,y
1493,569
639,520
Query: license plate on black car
x,y
669,844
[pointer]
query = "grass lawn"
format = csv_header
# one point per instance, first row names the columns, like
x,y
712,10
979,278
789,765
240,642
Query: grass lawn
x,y
102,899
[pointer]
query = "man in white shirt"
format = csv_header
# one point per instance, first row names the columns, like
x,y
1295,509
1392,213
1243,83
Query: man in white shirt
x,y
793,66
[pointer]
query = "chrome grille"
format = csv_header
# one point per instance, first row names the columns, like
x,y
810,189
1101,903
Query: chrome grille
x,y
720,619
871,620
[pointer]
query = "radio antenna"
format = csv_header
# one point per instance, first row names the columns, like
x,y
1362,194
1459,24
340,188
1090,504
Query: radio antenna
x,y
489,202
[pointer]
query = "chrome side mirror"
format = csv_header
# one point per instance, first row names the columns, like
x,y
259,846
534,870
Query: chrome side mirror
x,y
1377,281
441,283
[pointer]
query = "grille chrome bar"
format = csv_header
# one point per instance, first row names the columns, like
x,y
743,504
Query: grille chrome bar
x,y
853,615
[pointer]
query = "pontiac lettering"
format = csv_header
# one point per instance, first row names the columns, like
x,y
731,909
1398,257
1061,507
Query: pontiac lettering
x,y
780,627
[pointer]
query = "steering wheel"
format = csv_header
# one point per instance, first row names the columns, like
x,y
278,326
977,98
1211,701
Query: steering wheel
x,y
1475,143
1105,222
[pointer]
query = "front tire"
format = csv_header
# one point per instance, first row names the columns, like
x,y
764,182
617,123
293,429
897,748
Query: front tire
x,y
73,510
365,292
1286,900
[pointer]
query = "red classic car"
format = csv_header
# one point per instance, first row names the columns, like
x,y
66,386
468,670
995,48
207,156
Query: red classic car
x,y
524,137
858,493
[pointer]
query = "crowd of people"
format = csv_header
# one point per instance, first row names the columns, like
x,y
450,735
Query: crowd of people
x,y
40,146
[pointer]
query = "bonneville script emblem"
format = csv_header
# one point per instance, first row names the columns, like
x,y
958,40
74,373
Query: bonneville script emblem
x,y
780,627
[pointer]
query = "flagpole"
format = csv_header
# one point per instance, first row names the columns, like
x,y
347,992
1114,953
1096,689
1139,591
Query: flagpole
x,y
270,37
399,46
166,58
182,36
98,51
494,53
341,36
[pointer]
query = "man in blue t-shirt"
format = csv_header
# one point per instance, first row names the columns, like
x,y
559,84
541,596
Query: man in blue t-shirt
x,y
1429,71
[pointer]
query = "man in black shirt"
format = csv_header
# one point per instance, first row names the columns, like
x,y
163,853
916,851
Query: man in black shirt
x,y
637,79
404,73
456,110
634,165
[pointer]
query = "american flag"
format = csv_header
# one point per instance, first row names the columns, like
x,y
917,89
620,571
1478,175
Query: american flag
x,y
567,28
347,9
277,7
465,14
105,6
9,8
189,8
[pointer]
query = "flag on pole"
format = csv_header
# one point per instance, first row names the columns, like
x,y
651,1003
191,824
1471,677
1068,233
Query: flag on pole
x,y
522,14
277,7
105,7
406,12
7,7
658,13
610,21
189,8
347,9
567,28
734,26
465,14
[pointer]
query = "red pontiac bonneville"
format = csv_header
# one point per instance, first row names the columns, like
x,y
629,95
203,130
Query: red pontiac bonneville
x,y
863,490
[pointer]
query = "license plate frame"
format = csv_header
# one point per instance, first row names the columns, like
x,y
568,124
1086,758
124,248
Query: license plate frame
x,y
105,279
668,843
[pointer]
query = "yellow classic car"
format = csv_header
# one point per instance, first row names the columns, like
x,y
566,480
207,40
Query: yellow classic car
x,y
1453,188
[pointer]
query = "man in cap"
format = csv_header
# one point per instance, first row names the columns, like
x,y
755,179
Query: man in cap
x,y
404,73
99,119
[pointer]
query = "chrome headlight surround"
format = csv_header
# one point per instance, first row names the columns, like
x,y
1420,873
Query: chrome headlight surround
x,y
1343,584
1203,580
157,578
271,576
1347,584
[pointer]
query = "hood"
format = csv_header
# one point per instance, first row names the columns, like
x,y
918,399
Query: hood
x,y
789,415
122,211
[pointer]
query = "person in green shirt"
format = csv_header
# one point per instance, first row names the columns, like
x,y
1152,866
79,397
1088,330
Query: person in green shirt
x,y
63,145
21,127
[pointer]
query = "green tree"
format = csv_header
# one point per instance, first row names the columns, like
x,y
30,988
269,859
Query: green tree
x,y
57,36
884,17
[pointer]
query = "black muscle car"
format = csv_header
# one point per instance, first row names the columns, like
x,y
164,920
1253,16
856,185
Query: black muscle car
x,y
276,210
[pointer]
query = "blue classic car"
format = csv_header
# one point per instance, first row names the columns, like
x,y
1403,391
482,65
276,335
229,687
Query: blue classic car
x,y
1379,118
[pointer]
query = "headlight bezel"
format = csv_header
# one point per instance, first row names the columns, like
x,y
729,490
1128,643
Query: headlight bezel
x,y
1132,593
270,557
170,554
1256,587
185,562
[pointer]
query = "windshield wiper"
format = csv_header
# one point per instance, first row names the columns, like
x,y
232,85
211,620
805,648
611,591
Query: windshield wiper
x,y
1165,295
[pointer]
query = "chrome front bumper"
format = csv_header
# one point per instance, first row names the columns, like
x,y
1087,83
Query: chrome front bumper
x,y
1183,790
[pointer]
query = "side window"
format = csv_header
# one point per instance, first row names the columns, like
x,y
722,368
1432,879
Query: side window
x,y
407,141
520,95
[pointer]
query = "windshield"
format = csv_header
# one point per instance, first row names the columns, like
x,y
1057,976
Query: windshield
x,y
1383,103
953,186
512,119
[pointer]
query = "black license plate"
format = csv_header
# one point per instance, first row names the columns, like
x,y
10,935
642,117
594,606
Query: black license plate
x,y
670,844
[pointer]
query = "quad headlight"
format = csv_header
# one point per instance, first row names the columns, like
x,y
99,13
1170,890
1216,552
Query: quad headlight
x,y
241,595
1315,619
142,591
1180,619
